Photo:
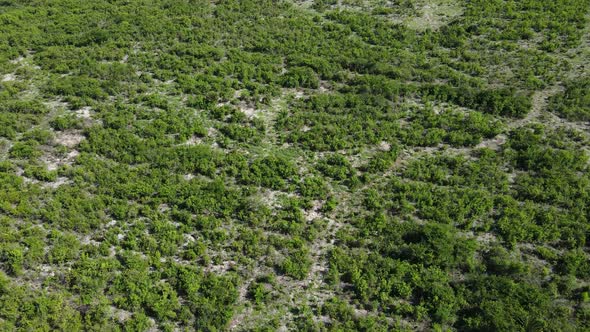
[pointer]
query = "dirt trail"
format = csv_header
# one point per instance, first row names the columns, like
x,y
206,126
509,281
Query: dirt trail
x,y
540,100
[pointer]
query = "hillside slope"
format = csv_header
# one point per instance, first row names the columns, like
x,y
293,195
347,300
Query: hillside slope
x,y
331,165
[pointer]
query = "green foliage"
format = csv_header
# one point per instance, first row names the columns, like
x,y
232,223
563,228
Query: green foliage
x,y
25,150
65,122
313,187
382,161
40,173
262,165
297,263
338,168
272,172
303,77
13,259
574,102
258,293
24,308
23,107
498,102
503,304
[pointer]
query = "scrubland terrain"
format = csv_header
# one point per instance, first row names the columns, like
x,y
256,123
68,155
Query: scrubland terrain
x,y
322,165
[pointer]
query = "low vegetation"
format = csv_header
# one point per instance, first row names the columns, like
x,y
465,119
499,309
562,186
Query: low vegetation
x,y
315,165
